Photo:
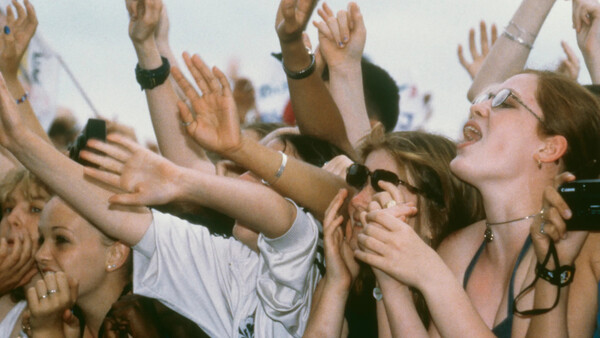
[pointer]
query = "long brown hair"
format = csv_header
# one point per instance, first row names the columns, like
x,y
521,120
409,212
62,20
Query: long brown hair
x,y
572,111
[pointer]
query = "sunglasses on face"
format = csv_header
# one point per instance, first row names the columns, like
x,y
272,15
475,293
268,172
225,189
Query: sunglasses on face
x,y
499,98
357,176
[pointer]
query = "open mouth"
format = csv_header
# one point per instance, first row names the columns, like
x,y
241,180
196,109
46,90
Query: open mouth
x,y
471,134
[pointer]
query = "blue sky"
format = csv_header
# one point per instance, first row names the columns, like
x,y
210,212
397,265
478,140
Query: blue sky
x,y
414,40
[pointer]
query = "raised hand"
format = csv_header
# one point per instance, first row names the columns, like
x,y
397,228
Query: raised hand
x,y
292,18
17,265
216,126
478,57
342,269
585,21
342,38
147,178
569,66
50,302
144,16
20,31
551,226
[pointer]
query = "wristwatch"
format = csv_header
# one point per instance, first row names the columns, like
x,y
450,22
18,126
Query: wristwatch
x,y
149,79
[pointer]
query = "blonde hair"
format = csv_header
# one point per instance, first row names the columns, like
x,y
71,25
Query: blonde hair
x,y
31,186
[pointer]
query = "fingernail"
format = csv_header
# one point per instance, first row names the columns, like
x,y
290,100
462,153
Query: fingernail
x,y
345,39
568,213
341,44
6,30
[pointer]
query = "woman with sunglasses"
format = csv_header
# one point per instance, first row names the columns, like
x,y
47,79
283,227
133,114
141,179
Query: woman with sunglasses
x,y
519,137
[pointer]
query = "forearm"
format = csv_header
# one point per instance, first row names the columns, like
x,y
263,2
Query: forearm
x,y
315,111
553,323
400,311
327,317
592,62
25,109
451,310
65,178
508,57
346,84
173,140
254,205
309,186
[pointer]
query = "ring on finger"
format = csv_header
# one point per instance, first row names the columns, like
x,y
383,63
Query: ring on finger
x,y
51,291
185,124
542,228
390,204
44,296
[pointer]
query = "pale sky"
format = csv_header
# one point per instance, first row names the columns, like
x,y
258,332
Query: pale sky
x,y
414,40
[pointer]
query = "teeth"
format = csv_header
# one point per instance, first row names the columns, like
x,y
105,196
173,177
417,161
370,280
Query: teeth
x,y
471,133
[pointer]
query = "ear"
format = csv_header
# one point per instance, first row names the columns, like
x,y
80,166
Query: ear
x,y
554,148
117,256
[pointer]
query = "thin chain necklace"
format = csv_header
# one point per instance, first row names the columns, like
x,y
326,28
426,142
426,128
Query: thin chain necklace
x,y
488,235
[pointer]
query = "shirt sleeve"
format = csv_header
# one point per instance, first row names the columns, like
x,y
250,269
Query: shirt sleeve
x,y
288,273
190,271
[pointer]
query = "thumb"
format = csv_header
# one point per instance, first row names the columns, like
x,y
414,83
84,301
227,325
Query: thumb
x,y
73,288
126,199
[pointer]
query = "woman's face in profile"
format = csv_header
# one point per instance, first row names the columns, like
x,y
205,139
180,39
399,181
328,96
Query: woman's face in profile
x,y
70,244
500,142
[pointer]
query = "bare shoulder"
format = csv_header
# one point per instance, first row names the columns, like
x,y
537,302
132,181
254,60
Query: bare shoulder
x,y
458,248
589,257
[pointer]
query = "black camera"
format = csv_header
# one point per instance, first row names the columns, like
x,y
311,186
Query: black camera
x,y
94,129
583,198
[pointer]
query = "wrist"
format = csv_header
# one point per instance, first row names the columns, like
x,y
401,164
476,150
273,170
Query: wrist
x,y
295,56
337,287
148,54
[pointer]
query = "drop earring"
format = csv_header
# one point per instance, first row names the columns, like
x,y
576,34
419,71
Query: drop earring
x,y
112,266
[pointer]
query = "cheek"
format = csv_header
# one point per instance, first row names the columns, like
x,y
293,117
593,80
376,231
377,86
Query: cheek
x,y
86,266
32,226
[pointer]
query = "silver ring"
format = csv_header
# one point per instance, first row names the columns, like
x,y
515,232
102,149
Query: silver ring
x,y
542,228
185,124
390,204
51,291
44,296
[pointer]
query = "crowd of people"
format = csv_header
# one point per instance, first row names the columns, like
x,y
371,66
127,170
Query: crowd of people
x,y
336,227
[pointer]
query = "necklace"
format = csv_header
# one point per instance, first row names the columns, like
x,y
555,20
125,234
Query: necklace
x,y
488,235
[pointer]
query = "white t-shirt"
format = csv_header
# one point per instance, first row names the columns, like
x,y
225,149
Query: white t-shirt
x,y
225,287
7,325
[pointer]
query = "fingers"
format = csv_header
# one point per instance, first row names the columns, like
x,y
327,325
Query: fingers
x,y
342,19
356,18
392,190
226,87
371,244
126,143
113,151
103,176
32,20
483,38
133,199
213,83
185,85
461,57
472,45
494,34
200,82
104,162
10,16
186,117
331,214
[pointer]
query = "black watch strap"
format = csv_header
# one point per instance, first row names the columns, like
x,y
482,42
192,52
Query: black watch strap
x,y
149,79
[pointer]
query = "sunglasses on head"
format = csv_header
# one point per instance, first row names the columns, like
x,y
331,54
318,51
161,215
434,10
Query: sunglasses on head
x,y
357,176
499,98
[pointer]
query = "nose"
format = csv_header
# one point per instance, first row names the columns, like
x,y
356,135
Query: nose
x,y
15,217
43,254
361,200
481,109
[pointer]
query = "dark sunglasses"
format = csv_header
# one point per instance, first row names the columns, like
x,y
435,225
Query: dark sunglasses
x,y
357,175
499,98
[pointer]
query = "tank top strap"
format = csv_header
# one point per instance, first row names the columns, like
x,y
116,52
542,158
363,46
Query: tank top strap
x,y
472,265
511,293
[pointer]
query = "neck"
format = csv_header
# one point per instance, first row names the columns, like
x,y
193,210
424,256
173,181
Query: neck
x,y
96,304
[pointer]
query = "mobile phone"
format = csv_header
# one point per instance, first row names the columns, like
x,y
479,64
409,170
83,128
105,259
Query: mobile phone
x,y
94,129
583,198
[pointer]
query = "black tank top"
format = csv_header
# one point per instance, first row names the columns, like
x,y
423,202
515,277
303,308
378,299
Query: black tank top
x,y
505,327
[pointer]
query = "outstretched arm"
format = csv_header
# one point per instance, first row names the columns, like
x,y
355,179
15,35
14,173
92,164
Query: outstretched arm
x,y
510,52
150,179
173,142
342,41
216,127
65,177
14,41
316,112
